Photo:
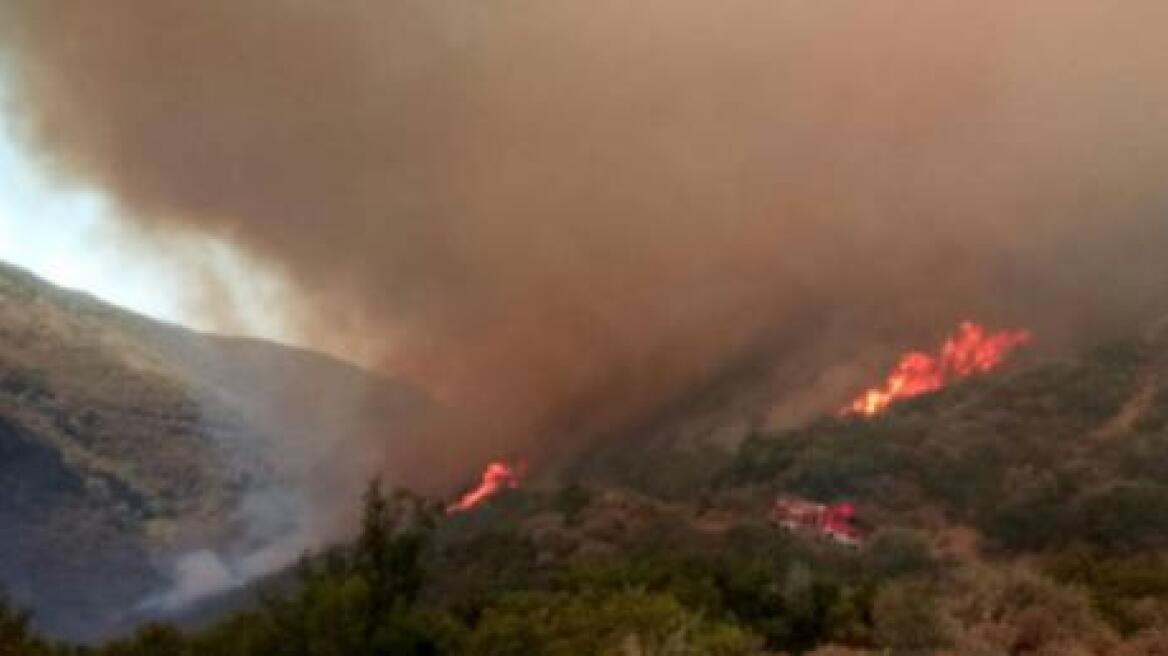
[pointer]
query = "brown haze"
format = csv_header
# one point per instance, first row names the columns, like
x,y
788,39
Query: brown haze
x,y
561,214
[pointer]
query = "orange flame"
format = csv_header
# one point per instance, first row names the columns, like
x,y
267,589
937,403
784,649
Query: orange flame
x,y
498,476
971,351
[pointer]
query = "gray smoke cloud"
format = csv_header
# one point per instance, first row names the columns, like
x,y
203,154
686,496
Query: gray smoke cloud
x,y
559,215
275,536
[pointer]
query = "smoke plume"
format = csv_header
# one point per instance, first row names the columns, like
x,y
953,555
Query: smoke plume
x,y
560,215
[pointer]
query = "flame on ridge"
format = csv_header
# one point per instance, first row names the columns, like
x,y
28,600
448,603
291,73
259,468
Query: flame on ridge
x,y
972,350
498,476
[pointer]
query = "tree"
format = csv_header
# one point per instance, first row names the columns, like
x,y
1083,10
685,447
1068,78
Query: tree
x,y
150,640
907,619
16,635
899,552
394,533
624,623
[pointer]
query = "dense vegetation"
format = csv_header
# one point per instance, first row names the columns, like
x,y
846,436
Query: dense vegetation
x,y
407,586
1023,513
1043,458
985,541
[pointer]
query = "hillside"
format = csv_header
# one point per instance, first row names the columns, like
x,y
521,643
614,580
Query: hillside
x,y
1023,512
1063,452
125,442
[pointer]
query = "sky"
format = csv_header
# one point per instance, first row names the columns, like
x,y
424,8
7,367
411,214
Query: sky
x,y
570,218
70,237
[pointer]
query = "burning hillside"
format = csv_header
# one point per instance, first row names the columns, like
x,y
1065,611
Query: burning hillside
x,y
971,351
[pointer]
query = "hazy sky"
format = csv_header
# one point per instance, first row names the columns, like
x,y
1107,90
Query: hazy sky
x,y
570,216
67,237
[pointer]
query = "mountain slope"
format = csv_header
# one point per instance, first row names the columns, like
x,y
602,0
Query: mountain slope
x,y
1021,512
125,442
1036,458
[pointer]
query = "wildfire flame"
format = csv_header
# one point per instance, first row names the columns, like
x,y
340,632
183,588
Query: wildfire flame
x,y
971,351
498,476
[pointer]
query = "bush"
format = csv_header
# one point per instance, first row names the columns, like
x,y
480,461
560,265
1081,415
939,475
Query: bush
x,y
907,619
629,622
899,552
1124,516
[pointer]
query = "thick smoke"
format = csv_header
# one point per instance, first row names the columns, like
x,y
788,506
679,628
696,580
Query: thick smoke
x,y
561,214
